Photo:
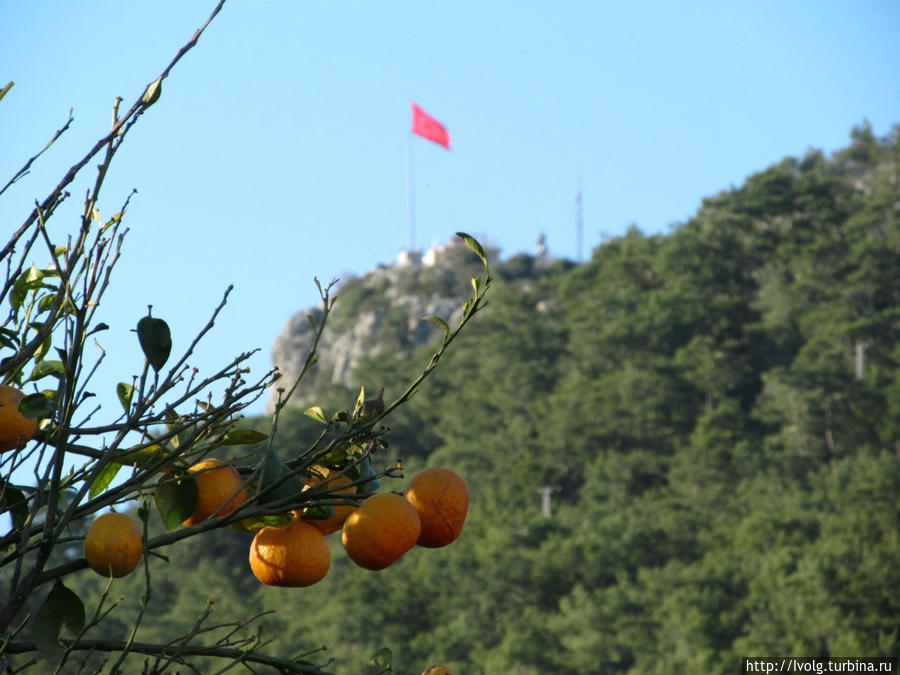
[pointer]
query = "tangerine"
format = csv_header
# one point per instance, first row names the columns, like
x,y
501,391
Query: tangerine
x,y
15,428
293,556
332,480
380,531
441,498
220,490
114,545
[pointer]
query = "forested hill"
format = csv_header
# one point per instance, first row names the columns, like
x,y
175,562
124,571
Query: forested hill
x,y
715,416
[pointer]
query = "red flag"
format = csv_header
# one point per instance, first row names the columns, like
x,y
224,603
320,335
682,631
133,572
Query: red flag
x,y
426,126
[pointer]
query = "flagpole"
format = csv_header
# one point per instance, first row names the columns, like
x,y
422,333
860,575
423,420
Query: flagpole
x,y
410,199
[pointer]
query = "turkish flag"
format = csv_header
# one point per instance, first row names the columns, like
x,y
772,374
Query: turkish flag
x,y
426,126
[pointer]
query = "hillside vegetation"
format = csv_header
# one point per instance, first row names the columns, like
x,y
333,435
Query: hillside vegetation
x,y
714,415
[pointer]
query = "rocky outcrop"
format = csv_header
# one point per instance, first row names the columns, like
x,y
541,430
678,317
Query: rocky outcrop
x,y
382,310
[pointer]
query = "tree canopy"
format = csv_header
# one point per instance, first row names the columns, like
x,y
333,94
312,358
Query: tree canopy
x,y
714,414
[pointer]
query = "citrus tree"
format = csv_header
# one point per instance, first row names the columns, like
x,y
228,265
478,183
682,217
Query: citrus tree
x,y
81,485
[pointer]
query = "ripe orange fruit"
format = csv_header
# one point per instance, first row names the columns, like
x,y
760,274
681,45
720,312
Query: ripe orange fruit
x,y
332,480
217,490
113,545
441,498
15,428
380,531
292,556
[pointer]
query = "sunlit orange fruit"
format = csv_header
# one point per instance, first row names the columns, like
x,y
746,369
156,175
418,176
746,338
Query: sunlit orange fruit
x,y
292,556
441,499
380,531
220,490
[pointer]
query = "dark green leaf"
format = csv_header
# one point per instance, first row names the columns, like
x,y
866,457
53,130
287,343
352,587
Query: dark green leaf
x,y
36,406
243,437
140,456
367,474
104,478
8,338
439,322
13,500
155,339
62,609
473,244
318,512
47,368
278,481
125,392
175,500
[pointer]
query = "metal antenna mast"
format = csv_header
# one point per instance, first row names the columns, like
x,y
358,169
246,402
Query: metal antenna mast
x,y
579,225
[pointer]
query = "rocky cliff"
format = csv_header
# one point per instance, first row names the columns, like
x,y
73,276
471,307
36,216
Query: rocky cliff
x,y
382,310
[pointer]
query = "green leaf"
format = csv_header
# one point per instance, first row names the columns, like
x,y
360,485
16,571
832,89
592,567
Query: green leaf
x,y
140,456
439,322
36,406
254,523
276,481
104,478
152,93
6,89
29,280
243,437
316,413
12,499
114,220
175,500
125,392
155,339
318,512
473,244
360,402
379,663
47,368
365,472
62,609
46,343
8,338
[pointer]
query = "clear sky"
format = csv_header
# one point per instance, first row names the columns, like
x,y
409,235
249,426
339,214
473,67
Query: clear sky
x,y
278,150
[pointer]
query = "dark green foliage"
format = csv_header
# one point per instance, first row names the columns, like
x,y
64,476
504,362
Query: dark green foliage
x,y
716,415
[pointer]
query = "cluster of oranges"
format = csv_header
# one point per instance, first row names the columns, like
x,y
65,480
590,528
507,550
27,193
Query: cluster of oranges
x,y
375,534
114,544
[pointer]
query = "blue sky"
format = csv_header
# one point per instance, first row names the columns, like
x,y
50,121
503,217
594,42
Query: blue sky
x,y
278,150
